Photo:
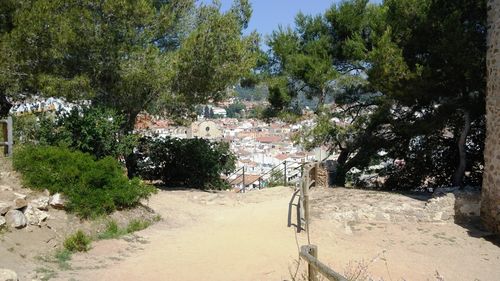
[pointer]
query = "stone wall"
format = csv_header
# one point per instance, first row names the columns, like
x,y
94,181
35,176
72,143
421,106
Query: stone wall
x,y
490,205
317,173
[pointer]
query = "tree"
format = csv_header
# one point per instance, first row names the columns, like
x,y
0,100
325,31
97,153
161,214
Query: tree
x,y
445,50
139,55
409,85
234,110
325,55
162,56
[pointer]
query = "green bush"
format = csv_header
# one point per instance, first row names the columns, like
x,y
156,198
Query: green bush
x,y
94,130
194,163
78,242
137,225
93,187
112,231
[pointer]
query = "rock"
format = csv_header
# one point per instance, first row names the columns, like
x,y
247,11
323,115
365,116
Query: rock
x,y
4,208
19,203
41,203
7,275
347,229
19,195
35,216
15,219
2,222
5,188
57,201
438,216
382,217
46,192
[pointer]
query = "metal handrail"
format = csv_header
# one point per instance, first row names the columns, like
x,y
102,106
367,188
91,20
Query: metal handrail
x,y
234,173
261,177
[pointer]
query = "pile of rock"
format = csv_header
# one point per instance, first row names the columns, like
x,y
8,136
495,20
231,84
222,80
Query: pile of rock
x,y
21,212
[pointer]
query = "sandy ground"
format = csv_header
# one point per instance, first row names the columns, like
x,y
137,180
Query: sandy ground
x,y
227,236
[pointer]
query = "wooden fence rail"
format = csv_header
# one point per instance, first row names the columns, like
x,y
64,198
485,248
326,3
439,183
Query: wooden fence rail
x,y
310,254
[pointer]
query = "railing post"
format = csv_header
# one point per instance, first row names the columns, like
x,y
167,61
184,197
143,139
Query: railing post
x,y
284,173
305,196
312,274
10,139
243,178
302,168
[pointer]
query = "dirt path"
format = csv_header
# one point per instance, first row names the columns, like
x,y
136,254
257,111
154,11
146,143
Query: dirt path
x,y
229,236
204,237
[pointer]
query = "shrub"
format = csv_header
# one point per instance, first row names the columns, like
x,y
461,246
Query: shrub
x,y
63,256
94,130
137,225
93,187
195,163
112,231
78,242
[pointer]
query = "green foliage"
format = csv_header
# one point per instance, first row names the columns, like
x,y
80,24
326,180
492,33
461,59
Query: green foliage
x,y
234,110
93,187
113,231
159,56
257,93
195,163
213,56
408,79
276,179
78,242
137,225
94,130
63,256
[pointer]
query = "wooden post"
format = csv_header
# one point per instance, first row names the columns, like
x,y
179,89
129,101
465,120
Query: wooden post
x,y
310,254
5,135
243,178
284,174
316,171
302,168
305,199
312,274
10,139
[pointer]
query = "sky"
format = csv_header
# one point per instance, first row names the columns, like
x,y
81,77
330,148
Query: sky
x,y
269,14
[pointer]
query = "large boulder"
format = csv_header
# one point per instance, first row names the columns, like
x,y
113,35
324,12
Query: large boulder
x,y
19,203
4,208
8,275
35,216
57,201
16,219
41,203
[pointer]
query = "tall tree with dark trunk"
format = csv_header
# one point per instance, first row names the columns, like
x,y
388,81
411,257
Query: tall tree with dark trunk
x,y
409,84
132,56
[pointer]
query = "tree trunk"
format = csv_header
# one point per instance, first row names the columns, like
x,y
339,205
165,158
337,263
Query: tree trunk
x,y
5,106
341,171
460,171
